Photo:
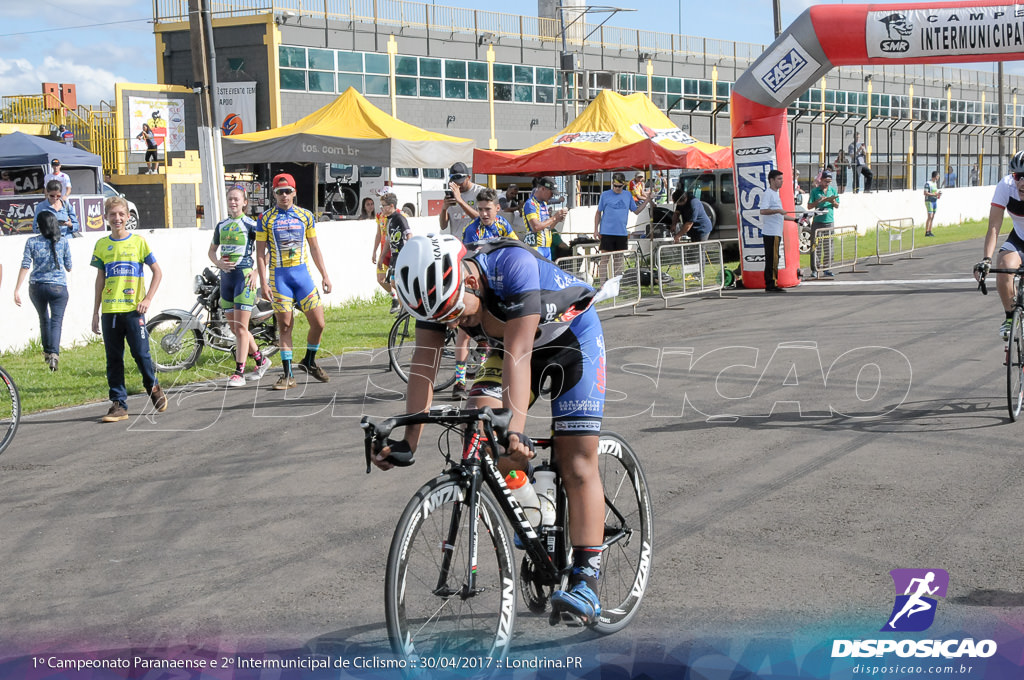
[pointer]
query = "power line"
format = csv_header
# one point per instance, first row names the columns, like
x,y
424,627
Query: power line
x,y
73,28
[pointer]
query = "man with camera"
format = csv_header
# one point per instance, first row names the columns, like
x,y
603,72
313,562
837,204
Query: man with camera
x,y
459,201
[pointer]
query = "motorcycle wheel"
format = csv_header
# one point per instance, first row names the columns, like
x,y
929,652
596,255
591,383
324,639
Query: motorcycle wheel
x,y
172,345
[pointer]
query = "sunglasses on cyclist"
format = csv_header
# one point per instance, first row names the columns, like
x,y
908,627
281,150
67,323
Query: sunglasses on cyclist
x,y
284,190
452,315
1018,176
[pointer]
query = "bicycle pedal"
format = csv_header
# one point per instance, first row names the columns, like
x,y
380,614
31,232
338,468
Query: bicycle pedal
x,y
566,618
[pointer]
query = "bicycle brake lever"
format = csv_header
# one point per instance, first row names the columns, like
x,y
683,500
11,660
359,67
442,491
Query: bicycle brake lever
x,y
982,287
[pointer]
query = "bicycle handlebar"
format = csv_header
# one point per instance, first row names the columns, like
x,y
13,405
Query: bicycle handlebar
x,y
981,280
376,431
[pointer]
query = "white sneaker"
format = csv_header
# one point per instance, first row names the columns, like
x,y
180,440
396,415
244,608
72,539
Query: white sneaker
x,y
260,369
236,381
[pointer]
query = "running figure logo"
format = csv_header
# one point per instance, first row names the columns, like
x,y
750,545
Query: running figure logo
x,y
916,593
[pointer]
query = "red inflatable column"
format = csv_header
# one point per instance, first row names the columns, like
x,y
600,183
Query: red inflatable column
x,y
760,144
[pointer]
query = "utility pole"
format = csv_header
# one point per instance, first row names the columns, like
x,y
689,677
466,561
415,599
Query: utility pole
x,y
568,68
778,17
203,75
1001,103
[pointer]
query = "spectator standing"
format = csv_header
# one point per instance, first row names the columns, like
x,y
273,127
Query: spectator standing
x,y
381,255
773,219
396,233
122,299
7,185
637,186
949,181
56,174
49,258
66,135
931,200
149,138
690,218
841,166
459,208
851,158
56,203
539,217
369,209
285,239
864,168
612,217
509,201
824,198
973,176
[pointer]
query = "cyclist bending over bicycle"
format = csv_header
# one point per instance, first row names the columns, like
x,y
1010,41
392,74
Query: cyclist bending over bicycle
x,y
1007,196
542,320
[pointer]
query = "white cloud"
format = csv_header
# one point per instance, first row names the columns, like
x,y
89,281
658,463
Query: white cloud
x,y
22,76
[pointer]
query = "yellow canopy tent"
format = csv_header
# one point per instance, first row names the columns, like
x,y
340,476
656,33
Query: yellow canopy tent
x,y
613,132
353,131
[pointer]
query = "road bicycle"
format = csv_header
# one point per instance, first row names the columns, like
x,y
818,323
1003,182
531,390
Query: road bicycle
x,y
10,409
1014,343
341,201
402,344
451,584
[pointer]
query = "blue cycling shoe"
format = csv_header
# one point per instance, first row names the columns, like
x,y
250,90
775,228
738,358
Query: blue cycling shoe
x,y
579,601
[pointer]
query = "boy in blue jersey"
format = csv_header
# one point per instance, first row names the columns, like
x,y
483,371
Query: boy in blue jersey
x,y
236,239
284,235
539,323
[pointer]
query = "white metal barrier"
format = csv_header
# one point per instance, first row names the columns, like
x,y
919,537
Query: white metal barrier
x,y
894,237
596,268
689,269
835,248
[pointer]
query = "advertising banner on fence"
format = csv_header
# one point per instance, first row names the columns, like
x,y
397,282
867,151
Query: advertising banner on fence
x,y
16,214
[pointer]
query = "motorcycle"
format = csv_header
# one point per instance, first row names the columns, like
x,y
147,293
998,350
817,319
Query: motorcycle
x,y
177,337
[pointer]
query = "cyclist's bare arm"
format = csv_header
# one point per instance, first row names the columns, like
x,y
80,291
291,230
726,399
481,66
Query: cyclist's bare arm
x,y
425,360
995,223
515,393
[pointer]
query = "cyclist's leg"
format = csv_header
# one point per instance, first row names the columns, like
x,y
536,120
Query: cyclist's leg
x,y
1008,257
284,309
577,409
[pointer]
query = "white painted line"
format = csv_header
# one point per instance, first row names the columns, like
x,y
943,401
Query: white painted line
x,y
886,282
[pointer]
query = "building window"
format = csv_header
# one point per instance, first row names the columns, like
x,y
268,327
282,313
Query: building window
x,y
292,79
352,62
430,68
406,66
376,63
321,81
292,57
545,76
347,80
377,85
406,87
321,60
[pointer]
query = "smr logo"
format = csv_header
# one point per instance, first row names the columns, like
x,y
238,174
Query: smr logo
x,y
896,28
914,609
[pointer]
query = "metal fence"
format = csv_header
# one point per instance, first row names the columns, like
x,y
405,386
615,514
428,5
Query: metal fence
x,y
893,238
835,248
689,269
596,268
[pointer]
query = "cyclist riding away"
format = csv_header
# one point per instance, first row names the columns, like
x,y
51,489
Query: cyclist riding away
x,y
1007,196
540,324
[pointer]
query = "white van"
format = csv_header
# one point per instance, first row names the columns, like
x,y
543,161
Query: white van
x,y
420,191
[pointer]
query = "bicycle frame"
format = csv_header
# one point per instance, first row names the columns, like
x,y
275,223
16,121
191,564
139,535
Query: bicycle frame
x,y
477,468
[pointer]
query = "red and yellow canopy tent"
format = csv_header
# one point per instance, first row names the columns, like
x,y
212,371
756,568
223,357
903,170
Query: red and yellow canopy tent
x,y
614,132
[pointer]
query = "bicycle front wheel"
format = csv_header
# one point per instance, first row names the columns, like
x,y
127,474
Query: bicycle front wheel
x,y
431,610
10,409
402,344
1015,365
626,562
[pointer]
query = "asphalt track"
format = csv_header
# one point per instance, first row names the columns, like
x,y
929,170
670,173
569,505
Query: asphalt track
x,y
798,447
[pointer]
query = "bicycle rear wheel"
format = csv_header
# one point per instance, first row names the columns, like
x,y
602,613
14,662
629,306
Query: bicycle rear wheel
x,y
10,409
626,562
402,344
1015,365
429,612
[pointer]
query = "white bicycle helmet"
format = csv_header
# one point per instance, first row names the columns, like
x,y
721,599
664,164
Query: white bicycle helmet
x,y
428,276
1017,162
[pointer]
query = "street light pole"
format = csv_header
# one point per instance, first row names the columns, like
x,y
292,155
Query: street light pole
x,y
778,17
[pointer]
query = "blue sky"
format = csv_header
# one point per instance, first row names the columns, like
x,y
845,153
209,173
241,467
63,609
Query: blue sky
x,y
99,42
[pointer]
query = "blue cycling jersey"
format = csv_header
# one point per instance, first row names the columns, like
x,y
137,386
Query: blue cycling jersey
x,y
518,282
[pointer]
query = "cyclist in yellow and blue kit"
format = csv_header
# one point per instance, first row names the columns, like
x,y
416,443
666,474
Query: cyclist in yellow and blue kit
x,y
284,235
539,218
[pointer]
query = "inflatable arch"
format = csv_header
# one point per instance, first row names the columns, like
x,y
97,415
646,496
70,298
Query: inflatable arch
x,y
826,36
